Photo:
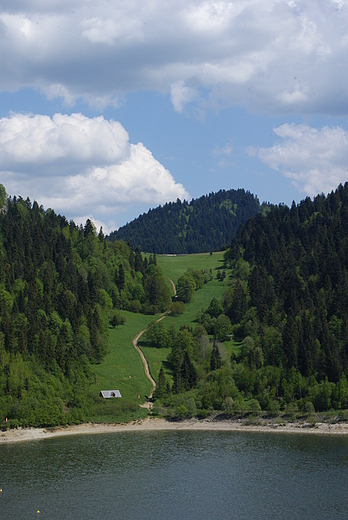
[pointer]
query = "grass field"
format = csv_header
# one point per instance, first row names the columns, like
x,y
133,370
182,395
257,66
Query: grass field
x,y
175,266
122,369
124,361
157,357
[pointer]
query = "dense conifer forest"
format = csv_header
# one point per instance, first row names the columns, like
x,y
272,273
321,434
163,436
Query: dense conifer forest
x,y
202,225
287,309
60,288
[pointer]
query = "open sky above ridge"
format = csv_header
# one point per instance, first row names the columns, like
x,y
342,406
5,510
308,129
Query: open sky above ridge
x,y
109,108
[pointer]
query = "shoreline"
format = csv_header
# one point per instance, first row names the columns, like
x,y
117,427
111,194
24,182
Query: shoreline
x,y
151,424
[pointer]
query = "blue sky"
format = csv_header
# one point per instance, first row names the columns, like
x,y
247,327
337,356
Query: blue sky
x,y
110,108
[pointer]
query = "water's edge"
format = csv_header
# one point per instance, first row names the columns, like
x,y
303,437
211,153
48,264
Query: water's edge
x,y
157,424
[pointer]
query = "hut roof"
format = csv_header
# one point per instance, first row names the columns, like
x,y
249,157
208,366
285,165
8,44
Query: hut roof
x,y
108,394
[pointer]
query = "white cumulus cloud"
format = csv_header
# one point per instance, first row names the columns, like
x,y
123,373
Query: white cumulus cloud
x,y
316,160
81,166
274,55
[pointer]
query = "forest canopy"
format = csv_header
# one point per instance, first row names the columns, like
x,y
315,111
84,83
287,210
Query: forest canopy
x,y
286,308
202,225
61,286
276,340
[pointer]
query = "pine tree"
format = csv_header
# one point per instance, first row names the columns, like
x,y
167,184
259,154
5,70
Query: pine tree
x,y
161,387
120,278
215,358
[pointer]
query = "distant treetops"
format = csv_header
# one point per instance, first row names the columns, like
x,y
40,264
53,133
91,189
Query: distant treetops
x,y
202,225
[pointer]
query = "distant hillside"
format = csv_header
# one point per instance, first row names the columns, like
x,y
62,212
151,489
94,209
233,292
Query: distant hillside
x,y
203,225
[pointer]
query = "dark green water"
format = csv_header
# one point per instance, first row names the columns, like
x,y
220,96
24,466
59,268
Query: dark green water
x,y
176,475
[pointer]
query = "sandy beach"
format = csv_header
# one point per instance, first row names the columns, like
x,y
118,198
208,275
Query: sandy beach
x,y
155,424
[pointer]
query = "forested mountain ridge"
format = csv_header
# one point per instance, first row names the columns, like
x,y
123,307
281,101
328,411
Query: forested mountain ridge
x,y
202,225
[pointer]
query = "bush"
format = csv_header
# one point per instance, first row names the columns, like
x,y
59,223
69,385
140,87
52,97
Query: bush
x,y
309,407
158,336
136,306
312,420
157,408
255,406
181,411
202,414
228,406
191,407
222,328
291,408
177,308
215,308
117,319
14,423
273,408
343,415
185,288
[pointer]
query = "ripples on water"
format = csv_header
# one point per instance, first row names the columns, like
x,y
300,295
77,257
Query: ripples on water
x,y
176,475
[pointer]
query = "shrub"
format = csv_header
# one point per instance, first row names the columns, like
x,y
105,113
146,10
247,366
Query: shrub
x,y
117,319
255,406
273,408
309,407
228,406
312,420
177,308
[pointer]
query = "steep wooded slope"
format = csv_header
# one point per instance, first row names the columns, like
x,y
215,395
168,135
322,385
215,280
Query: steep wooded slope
x,y
298,284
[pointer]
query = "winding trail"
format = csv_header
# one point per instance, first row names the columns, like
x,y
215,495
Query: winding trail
x,y
148,403
173,285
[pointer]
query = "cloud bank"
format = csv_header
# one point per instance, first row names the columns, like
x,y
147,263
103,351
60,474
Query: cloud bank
x,y
268,55
81,166
316,160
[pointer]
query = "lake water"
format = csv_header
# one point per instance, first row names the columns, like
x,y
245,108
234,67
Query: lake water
x,y
176,475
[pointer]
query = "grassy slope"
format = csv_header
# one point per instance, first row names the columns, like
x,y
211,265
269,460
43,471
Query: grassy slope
x,y
173,267
121,362
124,361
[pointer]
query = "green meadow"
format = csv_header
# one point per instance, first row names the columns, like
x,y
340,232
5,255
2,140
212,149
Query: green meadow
x,y
175,266
122,369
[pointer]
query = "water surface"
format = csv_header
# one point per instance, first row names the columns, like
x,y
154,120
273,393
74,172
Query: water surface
x,y
174,475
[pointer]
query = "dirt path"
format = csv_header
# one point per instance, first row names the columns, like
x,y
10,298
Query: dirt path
x,y
173,285
148,403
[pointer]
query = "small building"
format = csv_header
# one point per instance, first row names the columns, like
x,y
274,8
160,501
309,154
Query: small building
x,y
109,394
